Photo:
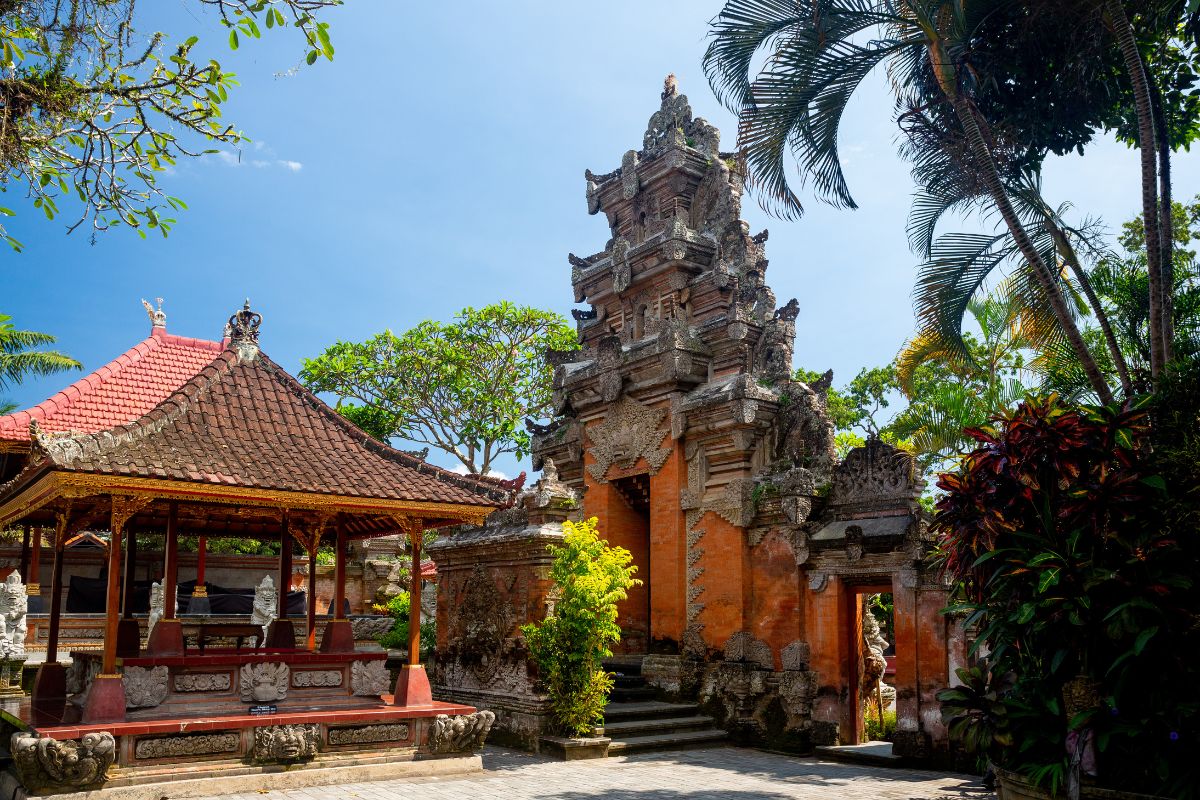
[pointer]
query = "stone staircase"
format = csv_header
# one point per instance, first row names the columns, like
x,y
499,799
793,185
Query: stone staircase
x,y
637,722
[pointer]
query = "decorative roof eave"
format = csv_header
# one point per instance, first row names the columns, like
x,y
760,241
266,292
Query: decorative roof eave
x,y
36,493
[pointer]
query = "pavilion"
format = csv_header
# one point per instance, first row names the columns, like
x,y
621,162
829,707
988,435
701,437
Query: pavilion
x,y
237,448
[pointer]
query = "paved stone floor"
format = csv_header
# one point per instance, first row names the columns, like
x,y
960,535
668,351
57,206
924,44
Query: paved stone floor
x,y
724,773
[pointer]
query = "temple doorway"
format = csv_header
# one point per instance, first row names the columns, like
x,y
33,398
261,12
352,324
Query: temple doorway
x,y
871,673
634,534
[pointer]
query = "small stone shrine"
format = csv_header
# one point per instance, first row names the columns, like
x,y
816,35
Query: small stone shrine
x,y
679,426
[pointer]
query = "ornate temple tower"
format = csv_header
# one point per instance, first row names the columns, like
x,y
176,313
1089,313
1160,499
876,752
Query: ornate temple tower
x,y
680,426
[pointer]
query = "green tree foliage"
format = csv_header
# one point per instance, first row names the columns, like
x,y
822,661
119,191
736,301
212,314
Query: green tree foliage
x,y
570,645
1058,534
94,108
21,356
397,638
464,387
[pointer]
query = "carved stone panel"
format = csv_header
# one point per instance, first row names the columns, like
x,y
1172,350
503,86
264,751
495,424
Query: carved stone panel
x,y
306,679
630,431
203,682
264,683
50,766
205,744
369,678
461,733
368,734
145,687
285,743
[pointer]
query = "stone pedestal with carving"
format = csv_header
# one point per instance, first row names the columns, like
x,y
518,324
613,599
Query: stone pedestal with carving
x,y
492,580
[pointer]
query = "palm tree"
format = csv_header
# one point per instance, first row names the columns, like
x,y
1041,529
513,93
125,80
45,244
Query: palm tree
x,y
19,359
819,51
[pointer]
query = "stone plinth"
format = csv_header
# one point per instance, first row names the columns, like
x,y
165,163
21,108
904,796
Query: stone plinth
x,y
492,580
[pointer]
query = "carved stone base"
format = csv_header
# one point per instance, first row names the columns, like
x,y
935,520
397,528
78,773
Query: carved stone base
x,y
412,687
105,700
574,749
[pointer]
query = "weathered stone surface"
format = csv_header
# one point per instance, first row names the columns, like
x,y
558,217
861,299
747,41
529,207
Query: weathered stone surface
x,y
49,765
368,734
203,682
201,744
369,678
14,607
308,678
461,733
145,687
264,683
284,743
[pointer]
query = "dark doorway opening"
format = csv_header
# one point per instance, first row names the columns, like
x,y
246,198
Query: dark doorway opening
x,y
635,491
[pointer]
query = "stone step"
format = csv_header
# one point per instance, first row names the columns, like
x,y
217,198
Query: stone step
x,y
625,665
629,681
873,754
652,709
622,694
666,741
638,727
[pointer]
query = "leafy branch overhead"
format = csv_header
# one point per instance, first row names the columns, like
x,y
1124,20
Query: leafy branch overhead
x,y
93,109
464,387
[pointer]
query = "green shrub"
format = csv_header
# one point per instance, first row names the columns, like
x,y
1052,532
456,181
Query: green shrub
x,y
397,638
570,645
877,733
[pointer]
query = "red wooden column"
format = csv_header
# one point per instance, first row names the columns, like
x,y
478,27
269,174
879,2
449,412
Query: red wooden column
x,y
339,633
50,684
412,687
281,633
106,700
33,583
166,639
311,641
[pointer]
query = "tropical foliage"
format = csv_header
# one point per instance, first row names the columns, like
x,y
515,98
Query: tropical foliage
x,y
94,108
1053,534
465,387
21,355
397,638
571,643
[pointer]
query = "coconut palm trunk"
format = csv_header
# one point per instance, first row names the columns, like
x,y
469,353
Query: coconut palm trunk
x,y
1047,279
1147,147
1166,225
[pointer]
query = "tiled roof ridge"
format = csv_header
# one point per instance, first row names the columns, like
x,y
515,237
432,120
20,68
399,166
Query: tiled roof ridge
x,y
65,449
18,421
492,489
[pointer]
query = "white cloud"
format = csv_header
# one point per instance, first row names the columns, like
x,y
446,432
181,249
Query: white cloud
x,y
294,166
497,474
239,158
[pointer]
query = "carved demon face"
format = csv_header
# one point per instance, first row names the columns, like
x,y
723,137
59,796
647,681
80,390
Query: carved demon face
x,y
285,742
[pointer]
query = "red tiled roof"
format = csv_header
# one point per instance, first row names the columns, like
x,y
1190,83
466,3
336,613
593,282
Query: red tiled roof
x,y
246,422
119,392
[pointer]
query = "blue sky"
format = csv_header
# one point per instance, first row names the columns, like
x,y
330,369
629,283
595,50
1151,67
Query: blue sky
x,y
438,162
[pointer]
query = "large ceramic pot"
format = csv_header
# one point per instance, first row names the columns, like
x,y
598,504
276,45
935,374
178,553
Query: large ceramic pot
x,y
1011,786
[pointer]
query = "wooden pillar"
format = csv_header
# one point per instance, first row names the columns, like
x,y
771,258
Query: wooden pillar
x,y
50,685
129,633
281,633
166,638
130,576
199,603
106,699
412,687
339,633
23,570
33,586
312,592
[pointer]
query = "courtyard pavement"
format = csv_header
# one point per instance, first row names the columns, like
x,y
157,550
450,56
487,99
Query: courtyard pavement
x,y
720,773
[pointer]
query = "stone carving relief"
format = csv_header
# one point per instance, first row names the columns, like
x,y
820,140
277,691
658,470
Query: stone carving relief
x,y
145,687
462,733
266,605
622,270
875,473
203,682
483,623
368,734
743,647
370,678
630,431
804,432
854,542
80,675
370,628
796,655
695,587
629,176
310,678
673,126
204,744
48,766
264,683
14,606
285,743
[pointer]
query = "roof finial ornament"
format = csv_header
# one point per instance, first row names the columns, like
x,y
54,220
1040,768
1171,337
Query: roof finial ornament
x,y
242,332
158,317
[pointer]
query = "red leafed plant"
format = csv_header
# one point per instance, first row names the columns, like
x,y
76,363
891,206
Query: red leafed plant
x,y
1053,535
